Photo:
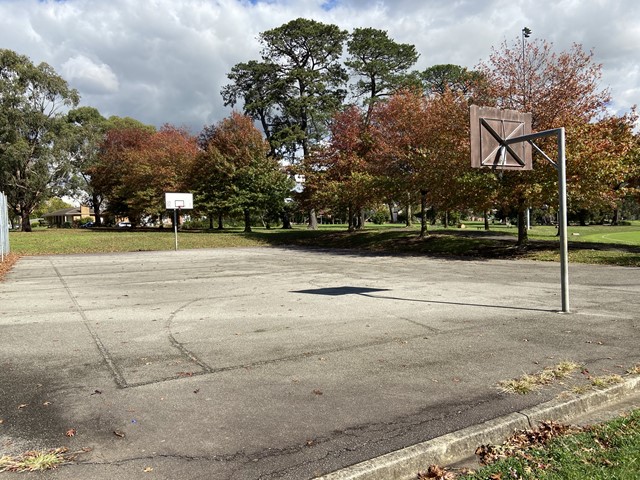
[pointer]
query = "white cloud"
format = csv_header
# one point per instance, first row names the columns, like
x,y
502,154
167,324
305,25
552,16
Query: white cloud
x,y
166,60
88,76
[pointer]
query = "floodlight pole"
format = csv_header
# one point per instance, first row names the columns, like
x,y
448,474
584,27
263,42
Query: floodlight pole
x,y
561,167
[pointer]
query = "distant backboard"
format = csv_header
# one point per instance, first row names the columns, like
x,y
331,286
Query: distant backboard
x,y
490,128
183,201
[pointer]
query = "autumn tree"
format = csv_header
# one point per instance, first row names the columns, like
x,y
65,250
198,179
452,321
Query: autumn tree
x,y
338,172
34,160
235,172
399,129
138,166
559,89
604,160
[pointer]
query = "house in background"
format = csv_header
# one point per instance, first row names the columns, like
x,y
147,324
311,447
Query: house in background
x,y
60,217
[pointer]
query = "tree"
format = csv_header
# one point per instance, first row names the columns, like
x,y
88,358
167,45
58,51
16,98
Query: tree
x,y
258,84
604,160
34,161
87,131
338,173
380,63
399,129
137,166
421,146
296,88
559,89
235,172
440,78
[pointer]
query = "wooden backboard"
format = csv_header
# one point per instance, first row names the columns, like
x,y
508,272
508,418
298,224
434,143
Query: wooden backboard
x,y
490,127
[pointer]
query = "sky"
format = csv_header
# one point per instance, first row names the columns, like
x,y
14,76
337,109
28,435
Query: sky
x,y
165,61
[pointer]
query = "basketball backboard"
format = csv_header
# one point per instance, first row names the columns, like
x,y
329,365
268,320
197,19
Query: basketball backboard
x,y
490,129
183,201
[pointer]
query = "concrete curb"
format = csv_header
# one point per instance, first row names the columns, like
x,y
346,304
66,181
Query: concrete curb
x,y
456,446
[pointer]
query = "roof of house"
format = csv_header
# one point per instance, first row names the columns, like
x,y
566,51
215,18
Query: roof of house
x,y
74,211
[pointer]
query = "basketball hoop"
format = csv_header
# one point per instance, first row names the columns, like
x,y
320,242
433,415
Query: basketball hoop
x,y
502,140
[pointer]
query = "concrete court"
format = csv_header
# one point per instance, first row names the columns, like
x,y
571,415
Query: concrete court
x,y
266,363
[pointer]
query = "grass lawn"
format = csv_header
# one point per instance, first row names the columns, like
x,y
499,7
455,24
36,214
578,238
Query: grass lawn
x,y
554,452
599,244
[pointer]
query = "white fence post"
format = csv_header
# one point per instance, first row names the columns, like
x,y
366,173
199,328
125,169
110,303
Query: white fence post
x,y
4,226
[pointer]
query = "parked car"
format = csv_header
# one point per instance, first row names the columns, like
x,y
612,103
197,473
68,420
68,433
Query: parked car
x,y
124,225
87,225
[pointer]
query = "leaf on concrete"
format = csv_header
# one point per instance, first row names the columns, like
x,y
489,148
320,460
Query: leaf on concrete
x,y
71,432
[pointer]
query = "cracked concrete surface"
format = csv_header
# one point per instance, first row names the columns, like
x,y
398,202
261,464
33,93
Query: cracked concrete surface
x,y
283,363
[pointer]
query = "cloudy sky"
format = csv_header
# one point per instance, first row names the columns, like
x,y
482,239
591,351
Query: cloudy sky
x,y
165,61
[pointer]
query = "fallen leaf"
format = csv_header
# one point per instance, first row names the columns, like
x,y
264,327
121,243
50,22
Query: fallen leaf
x,y
97,392
148,469
317,392
47,403
118,433
71,432
1,421
23,405
496,476
196,390
185,374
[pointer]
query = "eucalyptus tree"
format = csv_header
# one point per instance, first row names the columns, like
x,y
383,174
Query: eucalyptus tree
x,y
87,132
34,156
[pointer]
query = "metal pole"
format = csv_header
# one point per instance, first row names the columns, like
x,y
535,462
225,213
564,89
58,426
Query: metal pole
x,y
175,226
562,224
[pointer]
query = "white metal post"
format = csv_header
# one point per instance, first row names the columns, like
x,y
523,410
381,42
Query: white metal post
x,y
562,194
175,226
561,167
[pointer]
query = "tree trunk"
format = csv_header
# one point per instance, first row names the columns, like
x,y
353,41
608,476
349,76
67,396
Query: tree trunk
x,y
286,221
26,222
220,225
247,221
210,221
583,215
96,210
313,220
445,219
408,214
423,214
350,222
616,216
486,220
361,219
523,235
390,205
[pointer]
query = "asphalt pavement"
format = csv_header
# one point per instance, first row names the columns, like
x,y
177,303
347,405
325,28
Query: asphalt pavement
x,y
267,363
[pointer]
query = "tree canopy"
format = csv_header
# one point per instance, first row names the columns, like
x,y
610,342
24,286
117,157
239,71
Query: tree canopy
x,y
34,157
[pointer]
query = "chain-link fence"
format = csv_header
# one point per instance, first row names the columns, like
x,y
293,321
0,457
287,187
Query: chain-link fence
x,y
4,226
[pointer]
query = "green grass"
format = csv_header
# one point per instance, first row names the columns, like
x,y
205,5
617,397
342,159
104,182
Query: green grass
x,y
54,241
603,452
595,244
